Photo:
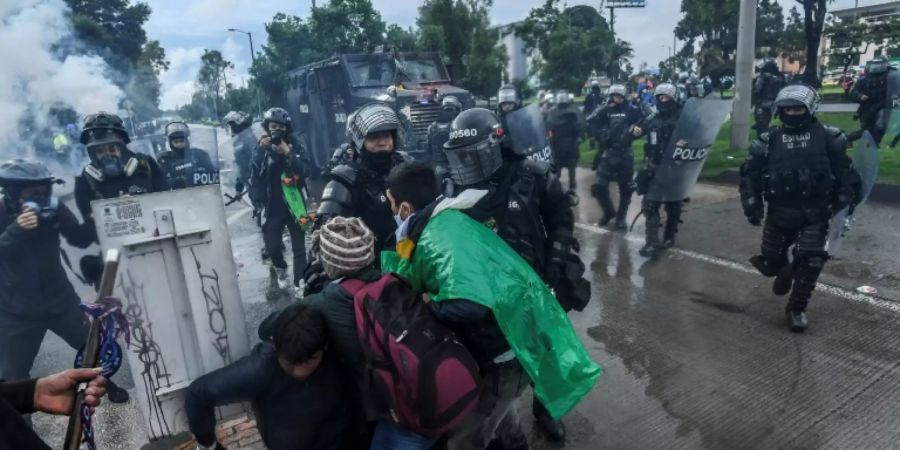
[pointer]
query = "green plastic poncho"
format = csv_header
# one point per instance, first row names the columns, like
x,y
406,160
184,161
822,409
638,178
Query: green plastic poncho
x,y
458,258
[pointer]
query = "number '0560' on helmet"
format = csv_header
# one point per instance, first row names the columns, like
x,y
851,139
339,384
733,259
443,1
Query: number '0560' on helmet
x,y
473,150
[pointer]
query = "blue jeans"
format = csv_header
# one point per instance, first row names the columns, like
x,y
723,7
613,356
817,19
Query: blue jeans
x,y
390,436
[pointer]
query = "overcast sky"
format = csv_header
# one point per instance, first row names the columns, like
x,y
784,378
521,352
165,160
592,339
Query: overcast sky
x,y
186,28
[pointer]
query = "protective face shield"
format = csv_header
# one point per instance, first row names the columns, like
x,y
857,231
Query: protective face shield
x,y
507,94
370,119
450,108
797,95
473,150
178,132
877,66
616,94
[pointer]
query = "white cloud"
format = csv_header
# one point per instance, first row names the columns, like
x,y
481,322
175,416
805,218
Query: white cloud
x,y
177,94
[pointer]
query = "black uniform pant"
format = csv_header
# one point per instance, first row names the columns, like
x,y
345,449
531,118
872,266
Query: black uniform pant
x,y
650,209
277,217
875,122
618,167
763,117
21,338
805,232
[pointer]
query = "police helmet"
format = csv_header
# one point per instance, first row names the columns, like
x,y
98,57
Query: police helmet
x,y
104,128
877,65
473,150
617,89
373,118
797,95
508,94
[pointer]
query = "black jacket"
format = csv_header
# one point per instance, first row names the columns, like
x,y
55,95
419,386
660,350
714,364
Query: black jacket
x,y
313,414
15,434
147,178
33,282
267,168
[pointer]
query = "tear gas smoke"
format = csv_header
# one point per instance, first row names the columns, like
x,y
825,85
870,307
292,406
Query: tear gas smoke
x,y
39,74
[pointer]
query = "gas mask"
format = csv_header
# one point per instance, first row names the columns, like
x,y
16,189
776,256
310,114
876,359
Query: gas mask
x,y
44,205
111,167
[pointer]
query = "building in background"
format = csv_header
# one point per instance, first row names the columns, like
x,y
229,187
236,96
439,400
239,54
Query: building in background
x,y
519,62
866,14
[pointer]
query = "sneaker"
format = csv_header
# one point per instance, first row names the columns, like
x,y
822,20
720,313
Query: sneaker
x,y
115,393
796,321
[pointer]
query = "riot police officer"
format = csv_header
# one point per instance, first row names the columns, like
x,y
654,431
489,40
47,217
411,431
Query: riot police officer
x,y
113,171
594,99
243,142
184,165
617,123
439,133
279,158
766,86
659,131
871,93
802,173
527,207
357,189
566,124
37,296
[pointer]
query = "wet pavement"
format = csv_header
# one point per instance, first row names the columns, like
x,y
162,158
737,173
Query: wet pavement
x,y
694,344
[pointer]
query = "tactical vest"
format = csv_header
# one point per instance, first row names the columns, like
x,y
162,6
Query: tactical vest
x,y
875,87
187,169
521,226
613,134
799,169
659,133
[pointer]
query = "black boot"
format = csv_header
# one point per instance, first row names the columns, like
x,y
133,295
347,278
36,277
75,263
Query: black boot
x,y
783,281
762,266
673,218
553,429
606,204
649,251
796,320
668,240
621,223
622,213
115,393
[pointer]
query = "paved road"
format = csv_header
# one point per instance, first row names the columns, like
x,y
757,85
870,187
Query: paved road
x,y
694,345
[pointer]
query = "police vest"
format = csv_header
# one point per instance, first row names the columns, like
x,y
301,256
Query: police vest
x,y
521,226
799,169
187,169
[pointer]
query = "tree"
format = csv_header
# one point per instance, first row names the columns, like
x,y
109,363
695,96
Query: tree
x,y
460,30
572,43
769,28
813,23
714,23
211,81
404,40
850,39
793,41
114,30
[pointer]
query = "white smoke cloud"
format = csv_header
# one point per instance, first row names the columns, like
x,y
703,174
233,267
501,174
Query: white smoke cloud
x,y
35,77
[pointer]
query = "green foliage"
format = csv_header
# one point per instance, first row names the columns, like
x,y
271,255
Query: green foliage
x,y
572,43
404,40
769,28
461,31
793,41
114,28
853,38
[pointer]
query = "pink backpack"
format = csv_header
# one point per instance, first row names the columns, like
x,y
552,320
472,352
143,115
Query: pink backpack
x,y
421,375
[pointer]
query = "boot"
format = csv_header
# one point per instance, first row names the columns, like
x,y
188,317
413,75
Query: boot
x,y
621,224
796,320
606,205
622,213
553,429
668,240
115,393
762,266
783,281
649,250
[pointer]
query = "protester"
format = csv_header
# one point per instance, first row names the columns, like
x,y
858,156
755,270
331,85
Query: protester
x,y
293,383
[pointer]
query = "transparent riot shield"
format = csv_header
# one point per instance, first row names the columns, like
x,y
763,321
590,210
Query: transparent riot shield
x,y
197,164
528,133
685,153
178,286
893,122
866,161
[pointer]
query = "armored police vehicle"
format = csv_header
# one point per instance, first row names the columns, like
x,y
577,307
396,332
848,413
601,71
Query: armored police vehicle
x,y
321,95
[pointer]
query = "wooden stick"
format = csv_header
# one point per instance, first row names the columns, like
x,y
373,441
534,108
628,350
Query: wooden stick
x,y
91,351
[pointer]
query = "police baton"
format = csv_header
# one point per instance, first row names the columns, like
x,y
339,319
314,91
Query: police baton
x,y
91,352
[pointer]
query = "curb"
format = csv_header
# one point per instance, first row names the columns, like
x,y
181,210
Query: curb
x,y
885,194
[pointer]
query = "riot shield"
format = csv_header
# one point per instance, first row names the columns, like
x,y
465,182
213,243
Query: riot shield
x,y
685,153
198,165
178,286
528,133
893,123
866,162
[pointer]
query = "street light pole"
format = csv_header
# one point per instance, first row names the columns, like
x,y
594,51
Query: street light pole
x,y
253,61
740,116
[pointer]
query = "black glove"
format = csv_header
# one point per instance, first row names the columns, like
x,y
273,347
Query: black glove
x,y
239,186
315,278
755,217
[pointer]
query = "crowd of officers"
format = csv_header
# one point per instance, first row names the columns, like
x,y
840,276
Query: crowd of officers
x,y
377,200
